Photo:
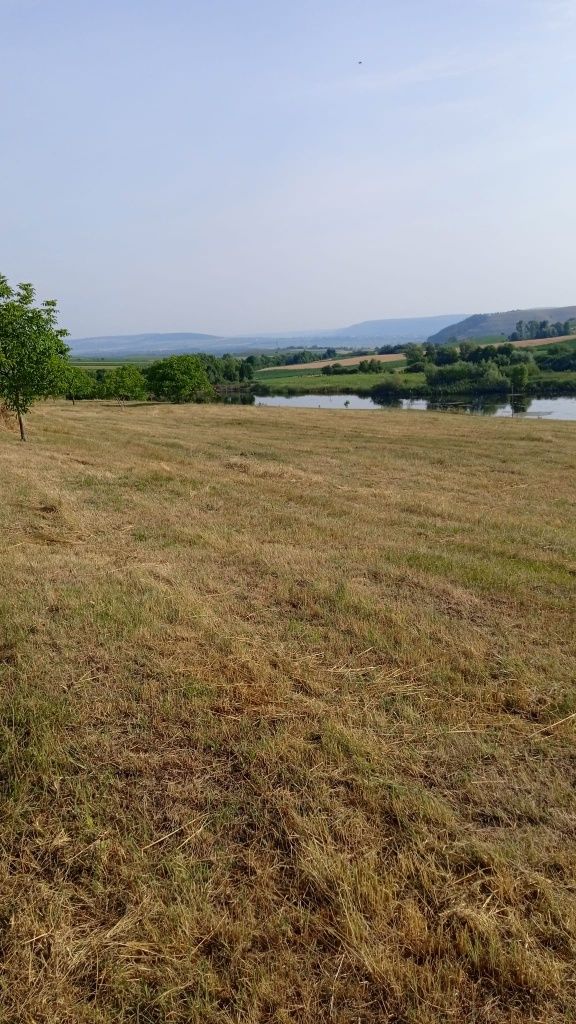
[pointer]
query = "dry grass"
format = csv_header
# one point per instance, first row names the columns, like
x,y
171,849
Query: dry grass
x,y
277,740
540,342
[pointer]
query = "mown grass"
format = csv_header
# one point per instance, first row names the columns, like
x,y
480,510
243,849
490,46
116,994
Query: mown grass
x,y
279,741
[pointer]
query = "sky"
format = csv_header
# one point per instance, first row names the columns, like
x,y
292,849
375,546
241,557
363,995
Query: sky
x,y
231,167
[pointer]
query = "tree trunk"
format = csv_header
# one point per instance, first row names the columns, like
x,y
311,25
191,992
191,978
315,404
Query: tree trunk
x,y
21,425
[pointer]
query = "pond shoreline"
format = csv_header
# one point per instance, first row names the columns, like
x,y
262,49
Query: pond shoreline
x,y
555,408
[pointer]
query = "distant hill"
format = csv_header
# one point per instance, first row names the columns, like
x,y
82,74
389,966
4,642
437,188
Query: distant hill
x,y
485,325
384,332
125,345
399,329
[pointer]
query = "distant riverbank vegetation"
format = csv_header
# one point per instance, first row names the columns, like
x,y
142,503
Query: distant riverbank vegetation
x,y
436,370
296,357
183,378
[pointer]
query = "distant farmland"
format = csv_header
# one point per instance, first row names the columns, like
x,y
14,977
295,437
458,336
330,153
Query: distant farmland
x,y
394,357
544,342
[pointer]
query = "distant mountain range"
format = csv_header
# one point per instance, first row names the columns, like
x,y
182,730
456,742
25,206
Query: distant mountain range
x,y
121,345
370,332
485,325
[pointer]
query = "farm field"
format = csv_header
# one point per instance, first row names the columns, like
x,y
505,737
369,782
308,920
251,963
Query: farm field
x,y
394,359
545,343
316,381
287,717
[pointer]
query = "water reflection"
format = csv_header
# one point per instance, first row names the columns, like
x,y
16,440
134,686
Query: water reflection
x,y
521,405
240,398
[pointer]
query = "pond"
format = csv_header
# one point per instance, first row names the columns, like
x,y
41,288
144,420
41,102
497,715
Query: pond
x,y
535,408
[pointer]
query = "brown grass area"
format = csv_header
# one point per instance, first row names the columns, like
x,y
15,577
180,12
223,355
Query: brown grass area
x,y
343,360
277,729
539,342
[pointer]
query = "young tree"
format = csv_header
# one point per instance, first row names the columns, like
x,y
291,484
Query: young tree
x,y
78,384
180,379
466,348
414,353
33,361
518,376
126,383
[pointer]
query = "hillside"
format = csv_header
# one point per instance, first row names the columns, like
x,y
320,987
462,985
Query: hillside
x,y
396,330
370,332
485,325
282,702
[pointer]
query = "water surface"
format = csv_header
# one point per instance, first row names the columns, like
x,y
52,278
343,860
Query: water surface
x,y
535,408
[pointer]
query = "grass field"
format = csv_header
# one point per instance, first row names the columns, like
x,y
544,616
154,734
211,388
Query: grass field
x,y
315,381
544,344
285,727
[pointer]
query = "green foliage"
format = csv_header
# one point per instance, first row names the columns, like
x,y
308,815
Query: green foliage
x,y
125,383
180,379
226,369
542,329
364,366
464,376
289,357
414,354
557,358
369,366
477,368
518,375
33,355
79,384
445,355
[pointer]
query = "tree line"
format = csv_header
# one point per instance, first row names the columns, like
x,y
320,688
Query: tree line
x,y
183,378
290,357
466,366
364,366
533,329
35,363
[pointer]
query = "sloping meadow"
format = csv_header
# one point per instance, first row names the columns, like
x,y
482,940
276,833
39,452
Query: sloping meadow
x,y
287,717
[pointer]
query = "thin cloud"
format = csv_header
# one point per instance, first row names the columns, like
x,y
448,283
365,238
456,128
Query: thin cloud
x,y
421,73
557,13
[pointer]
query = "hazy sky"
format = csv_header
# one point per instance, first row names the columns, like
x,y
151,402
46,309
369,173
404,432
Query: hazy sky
x,y
229,166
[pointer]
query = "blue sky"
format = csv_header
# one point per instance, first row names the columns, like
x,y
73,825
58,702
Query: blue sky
x,y
230,166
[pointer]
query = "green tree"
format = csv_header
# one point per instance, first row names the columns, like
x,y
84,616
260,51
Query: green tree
x,y
180,379
466,348
33,355
445,355
414,353
125,383
78,384
518,376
